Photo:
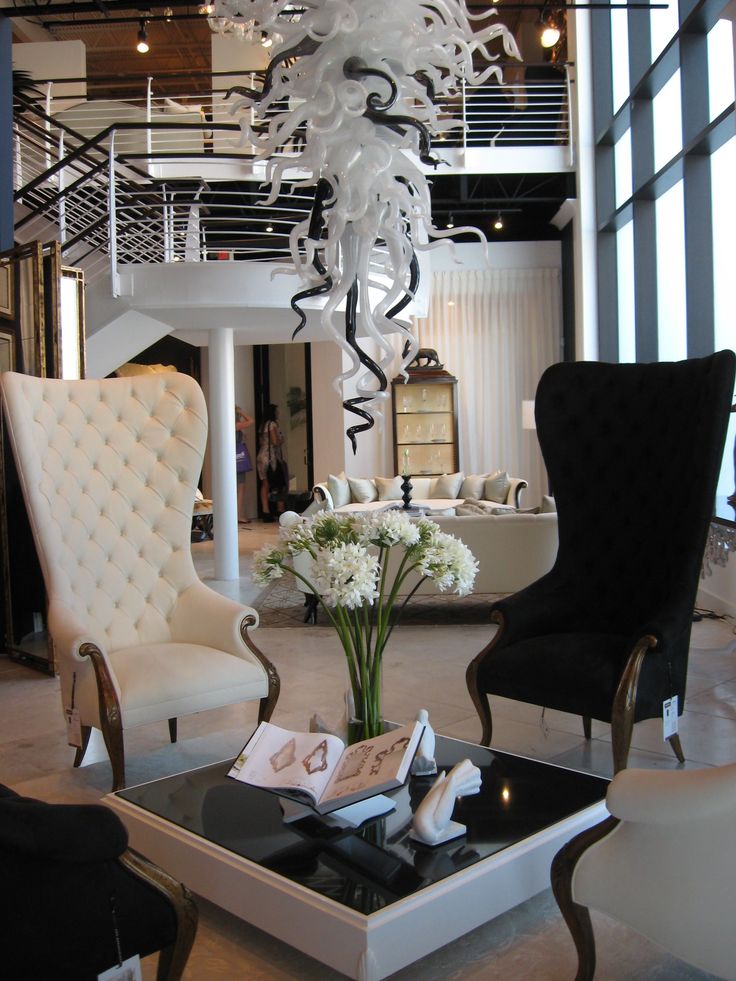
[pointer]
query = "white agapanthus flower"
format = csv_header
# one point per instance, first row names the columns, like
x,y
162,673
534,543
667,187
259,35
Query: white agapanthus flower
x,y
346,575
388,528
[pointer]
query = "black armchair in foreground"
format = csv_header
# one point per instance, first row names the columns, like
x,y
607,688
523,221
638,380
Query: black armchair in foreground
x,y
72,891
632,452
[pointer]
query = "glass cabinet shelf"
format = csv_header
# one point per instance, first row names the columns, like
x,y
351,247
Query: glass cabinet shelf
x,y
425,422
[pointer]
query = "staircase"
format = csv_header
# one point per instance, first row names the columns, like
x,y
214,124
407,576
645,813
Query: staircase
x,y
156,210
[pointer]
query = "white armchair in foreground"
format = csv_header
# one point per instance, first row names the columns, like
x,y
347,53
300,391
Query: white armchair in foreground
x,y
664,864
108,470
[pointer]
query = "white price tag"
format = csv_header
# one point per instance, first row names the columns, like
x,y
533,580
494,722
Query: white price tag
x,y
669,717
73,727
129,970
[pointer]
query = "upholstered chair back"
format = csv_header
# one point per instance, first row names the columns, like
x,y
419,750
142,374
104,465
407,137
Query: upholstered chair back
x,y
109,470
633,453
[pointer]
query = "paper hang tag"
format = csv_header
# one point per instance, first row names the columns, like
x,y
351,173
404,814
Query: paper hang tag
x,y
669,717
73,727
129,970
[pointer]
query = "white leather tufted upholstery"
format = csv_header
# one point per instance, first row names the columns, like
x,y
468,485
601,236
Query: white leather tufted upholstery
x,y
109,471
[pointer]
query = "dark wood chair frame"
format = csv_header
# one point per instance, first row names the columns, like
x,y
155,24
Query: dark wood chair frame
x,y
622,710
111,721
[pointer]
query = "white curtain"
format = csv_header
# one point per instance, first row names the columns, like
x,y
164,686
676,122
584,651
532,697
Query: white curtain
x,y
496,330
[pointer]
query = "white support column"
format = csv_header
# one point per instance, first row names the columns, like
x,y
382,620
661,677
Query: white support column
x,y
222,450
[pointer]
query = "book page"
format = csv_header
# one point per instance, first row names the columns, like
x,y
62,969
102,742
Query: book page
x,y
280,759
375,765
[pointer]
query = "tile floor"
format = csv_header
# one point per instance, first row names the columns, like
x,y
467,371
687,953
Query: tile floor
x,y
426,667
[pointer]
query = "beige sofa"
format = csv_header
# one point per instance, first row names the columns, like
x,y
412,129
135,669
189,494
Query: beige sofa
x,y
512,550
440,495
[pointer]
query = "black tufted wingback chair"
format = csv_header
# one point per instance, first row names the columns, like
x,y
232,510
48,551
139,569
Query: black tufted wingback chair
x,y
65,868
633,453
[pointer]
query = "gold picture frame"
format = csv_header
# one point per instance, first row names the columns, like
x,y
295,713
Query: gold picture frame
x,y
7,290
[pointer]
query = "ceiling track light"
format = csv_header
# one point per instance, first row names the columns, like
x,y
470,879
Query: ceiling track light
x,y
549,19
142,46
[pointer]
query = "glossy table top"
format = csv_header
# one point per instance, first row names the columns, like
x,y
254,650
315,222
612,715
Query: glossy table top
x,y
377,864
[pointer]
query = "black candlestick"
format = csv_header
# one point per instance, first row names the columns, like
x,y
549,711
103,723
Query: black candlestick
x,y
406,487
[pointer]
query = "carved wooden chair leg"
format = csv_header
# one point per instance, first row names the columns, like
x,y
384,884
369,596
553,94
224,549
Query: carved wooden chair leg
x,y
111,718
81,750
674,741
268,703
172,730
171,960
478,697
576,916
586,726
624,702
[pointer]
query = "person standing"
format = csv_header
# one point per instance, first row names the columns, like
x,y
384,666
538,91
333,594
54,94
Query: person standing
x,y
243,463
270,463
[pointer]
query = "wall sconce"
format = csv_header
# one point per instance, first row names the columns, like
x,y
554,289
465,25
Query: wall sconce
x,y
142,46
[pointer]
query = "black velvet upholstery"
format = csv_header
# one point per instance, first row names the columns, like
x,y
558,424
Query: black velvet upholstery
x,y
633,453
59,871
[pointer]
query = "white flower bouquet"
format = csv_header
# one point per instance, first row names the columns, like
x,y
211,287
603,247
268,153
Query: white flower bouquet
x,y
349,576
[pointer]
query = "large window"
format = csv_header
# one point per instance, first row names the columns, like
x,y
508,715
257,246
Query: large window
x,y
671,295
667,122
667,205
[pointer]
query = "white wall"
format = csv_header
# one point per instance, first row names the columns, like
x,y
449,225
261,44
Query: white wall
x,y
328,432
55,59
240,57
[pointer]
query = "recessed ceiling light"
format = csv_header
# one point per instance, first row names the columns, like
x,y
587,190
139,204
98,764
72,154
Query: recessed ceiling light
x,y
498,223
450,222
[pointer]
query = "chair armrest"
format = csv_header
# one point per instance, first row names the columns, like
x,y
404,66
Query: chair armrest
x,y
516,486
321,493
202,616
71,833
672,796
69,634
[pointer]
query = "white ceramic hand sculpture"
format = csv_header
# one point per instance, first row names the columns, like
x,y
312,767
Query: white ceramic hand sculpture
x,y
424,764
432,824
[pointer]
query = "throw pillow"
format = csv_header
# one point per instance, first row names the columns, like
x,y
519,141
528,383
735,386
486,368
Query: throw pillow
x,y
548,504
496,487
472,486
339,489
447,486
389,488
362,491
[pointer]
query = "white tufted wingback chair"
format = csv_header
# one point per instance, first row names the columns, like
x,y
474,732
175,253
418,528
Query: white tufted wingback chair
x,y
664,863
109,471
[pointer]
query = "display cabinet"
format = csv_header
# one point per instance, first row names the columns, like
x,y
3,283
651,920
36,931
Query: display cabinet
x,y
425,421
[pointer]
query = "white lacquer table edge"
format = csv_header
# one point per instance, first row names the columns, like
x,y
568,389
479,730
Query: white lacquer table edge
x,y
367,948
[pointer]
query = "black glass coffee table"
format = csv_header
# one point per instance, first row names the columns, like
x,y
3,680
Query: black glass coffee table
x,y
371,900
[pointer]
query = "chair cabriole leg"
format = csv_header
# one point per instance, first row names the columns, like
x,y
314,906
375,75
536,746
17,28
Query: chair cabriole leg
x,y
268,703
479,698
674,741
171,960
81,750
576,916
624,702
111,721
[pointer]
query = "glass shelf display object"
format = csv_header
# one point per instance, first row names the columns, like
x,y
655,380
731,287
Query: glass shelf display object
x,y
425,418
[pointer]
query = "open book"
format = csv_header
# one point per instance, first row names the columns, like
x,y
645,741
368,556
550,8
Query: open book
x,y
320,769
